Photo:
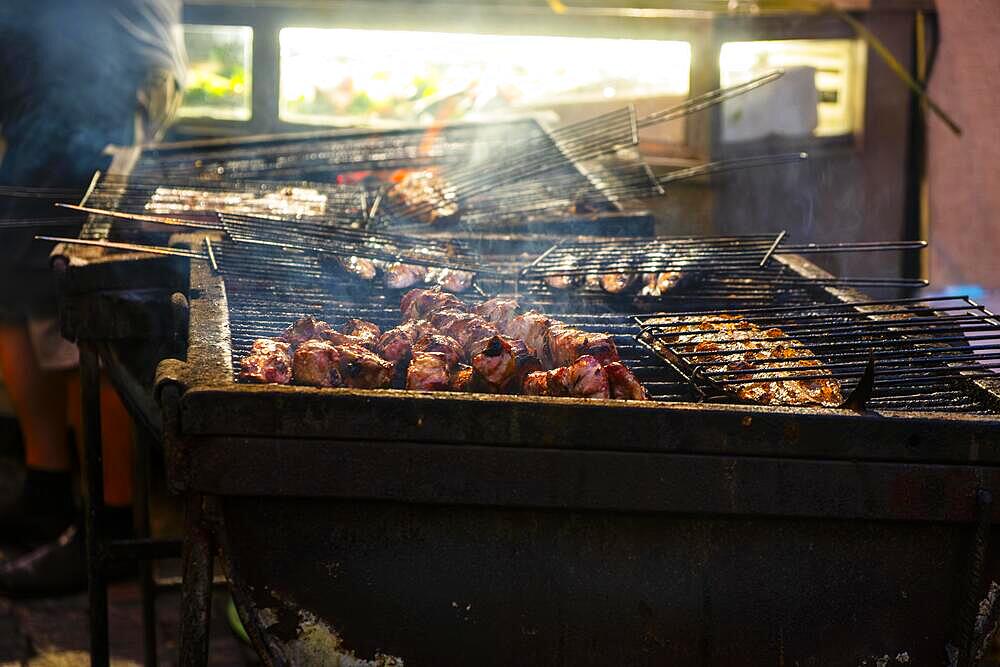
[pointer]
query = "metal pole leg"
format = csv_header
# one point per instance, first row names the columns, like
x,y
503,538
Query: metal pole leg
x,y
93,473
140,508
196,588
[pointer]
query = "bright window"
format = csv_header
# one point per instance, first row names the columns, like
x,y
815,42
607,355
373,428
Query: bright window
x,y
388,76
218,83
829,71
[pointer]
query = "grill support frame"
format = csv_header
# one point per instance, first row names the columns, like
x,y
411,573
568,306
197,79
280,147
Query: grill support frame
x,y
271,448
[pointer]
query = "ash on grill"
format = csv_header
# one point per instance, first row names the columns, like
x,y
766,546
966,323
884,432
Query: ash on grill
x,y
811,354
444,345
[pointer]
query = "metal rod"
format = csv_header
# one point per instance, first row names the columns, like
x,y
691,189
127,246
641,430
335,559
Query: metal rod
x,y
116,245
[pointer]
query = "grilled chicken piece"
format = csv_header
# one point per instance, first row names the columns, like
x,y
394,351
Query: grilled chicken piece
x,y
616,283
564,344
452,280
441,344
317,364
495,365
422,303
428,371
624,384
361,368
658,284
461,379
360,267
744,346
499,311
531,327
587,378
268,362
366,332
547,383
401,276
305,328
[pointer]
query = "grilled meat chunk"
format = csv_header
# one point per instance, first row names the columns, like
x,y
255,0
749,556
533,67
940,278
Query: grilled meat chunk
x,y
361,368
428,371
441,344
525,363
305,328
396,344
617,283
268,362
561,282
453,280
467,328
624,384
422,303
317,364
499,311
731,343
547,383
426,189
531,327
495,365
587,378
360,267
658,284
564,344
366,332
401,276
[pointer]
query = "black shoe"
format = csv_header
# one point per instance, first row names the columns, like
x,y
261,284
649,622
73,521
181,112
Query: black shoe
x,y
58,568
39,511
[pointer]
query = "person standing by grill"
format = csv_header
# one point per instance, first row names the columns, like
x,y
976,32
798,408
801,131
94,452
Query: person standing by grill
x,y
75,77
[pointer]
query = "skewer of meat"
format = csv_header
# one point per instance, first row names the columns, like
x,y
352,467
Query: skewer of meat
x,y
585,378
428,371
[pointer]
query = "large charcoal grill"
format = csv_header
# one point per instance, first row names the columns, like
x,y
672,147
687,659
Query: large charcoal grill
x,y
467,529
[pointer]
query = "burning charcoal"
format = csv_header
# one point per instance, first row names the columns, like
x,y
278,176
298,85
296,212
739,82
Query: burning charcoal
x,y
317,364
495,365
422,303
441,344
359,267
564,344
361,368
428,371
499,311
267,362
367,332
461,378
616,283
547,383
401,276
305,328
624,384
587,378
658,284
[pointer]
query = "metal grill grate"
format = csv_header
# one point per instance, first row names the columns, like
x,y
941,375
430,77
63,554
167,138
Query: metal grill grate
x,y
925,351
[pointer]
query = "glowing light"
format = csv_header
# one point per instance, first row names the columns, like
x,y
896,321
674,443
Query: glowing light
x,y
376,75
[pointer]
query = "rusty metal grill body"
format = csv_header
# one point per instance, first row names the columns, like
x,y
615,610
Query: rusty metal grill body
x,y
451,529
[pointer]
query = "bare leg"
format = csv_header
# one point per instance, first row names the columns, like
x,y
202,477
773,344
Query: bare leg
x,y
39,399
116,437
